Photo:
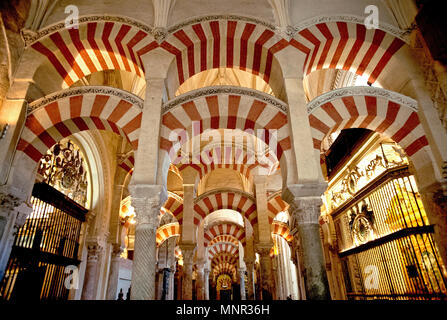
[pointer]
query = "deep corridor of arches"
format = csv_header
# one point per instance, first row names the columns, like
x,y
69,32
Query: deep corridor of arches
x,y
276,153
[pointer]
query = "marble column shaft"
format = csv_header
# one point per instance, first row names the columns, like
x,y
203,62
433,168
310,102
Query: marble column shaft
x,y
147,200
306,211
188,255
114,272
91,271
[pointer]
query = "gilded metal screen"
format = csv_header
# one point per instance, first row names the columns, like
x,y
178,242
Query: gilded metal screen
x,y
386,242
43,247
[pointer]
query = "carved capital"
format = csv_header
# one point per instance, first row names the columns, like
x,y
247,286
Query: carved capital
x,y
8,203
306,210
94,250
116,250
188,252
147,200
264,249
249,265
305,201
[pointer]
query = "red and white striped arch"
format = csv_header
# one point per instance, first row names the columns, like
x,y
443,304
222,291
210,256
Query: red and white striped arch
x,y
95,46
379,110
223,258
224,229
167,231
223,239
174,205
225,268
281,229
233,200
347,46
62,117
224,43
203,170
222,111
275,205
218,248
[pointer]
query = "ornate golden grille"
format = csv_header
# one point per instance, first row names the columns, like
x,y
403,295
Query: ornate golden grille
x,y
386,243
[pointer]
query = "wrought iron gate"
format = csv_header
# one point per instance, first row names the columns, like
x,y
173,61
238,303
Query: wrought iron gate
x,y
386,243
43,247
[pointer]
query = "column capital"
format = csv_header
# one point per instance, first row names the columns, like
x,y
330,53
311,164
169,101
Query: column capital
x,y
188,251
306,210
263,248
249,264
8,203
305,201
147,200
94,249
116,250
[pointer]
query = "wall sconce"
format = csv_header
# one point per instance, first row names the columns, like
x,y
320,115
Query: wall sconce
x,y
4,130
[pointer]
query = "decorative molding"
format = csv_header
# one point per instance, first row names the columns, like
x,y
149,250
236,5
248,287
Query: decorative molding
x,y
223,190
127,96
8,202
201,19
398,33
306,210
361,91
159,33
192,95
29,36
263,249
94,250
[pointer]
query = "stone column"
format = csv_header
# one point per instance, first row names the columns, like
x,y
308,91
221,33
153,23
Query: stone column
x,y
188,255
114,272
300,283
206,283
13,214
242,283
94,250
200,283
147,200
251,281
167,275
171,293
305,209
264,237
158,283
267,286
